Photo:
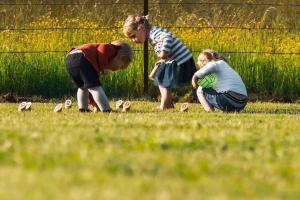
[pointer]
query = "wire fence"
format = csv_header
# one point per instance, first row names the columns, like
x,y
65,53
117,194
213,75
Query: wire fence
x,y
139,7
9,27
142,3
168,27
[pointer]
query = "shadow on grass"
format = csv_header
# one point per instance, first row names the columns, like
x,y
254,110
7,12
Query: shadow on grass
x,y
279,111
272,111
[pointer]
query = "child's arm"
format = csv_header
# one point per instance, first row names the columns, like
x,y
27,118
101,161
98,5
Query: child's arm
x,y
164,55
152,74
163,58
104,72
166,45
194,81
207,69
156,66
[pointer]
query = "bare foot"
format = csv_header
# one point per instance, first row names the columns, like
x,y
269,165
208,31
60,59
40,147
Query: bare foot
x,y
151,78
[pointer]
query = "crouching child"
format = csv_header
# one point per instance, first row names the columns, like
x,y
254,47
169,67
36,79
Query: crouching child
x,y
84,64
228,92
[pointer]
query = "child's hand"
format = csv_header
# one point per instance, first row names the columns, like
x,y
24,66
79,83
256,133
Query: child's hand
x,y
159,62
164,55
104,72
194,82
151,78
152,74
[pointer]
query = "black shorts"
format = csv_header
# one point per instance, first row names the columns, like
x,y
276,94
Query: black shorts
x,y
81,71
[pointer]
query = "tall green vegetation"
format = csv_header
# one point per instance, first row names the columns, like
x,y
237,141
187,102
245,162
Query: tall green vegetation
x,y
43,73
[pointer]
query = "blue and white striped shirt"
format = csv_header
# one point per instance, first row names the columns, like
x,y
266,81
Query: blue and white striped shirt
x,y
162,40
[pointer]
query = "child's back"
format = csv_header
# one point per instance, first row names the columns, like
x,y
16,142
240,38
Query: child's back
x,y
163,40
84,63
227,78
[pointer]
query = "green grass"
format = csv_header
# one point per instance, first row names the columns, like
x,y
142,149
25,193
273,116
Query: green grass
x,y
148,155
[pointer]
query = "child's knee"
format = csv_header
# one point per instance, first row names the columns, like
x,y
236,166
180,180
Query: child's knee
x,y
200,90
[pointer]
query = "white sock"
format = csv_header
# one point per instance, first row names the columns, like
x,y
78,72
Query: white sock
x,y
82,98
100,98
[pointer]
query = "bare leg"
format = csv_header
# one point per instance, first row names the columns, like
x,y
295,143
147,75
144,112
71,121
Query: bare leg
x,y
82,98
166,97
207,107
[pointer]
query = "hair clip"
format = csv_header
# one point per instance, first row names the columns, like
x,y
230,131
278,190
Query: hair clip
x,y
146,17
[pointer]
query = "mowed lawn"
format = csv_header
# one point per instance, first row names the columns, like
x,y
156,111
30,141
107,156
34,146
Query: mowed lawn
x,y
150,155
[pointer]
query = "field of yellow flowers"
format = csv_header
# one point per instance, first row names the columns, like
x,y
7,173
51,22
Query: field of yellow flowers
x,y
42,72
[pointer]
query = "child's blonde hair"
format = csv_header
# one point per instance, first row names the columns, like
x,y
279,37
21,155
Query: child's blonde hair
x,y
213,55
125,50
136,22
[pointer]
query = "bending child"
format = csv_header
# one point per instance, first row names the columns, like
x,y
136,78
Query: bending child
x,y
176,65
228,93
84,63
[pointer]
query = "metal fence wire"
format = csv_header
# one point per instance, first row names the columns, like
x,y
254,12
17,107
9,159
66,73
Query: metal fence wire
x,y
10,12
16,15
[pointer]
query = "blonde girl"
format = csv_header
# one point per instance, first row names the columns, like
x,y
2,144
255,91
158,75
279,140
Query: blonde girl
x,y
175,66
229,93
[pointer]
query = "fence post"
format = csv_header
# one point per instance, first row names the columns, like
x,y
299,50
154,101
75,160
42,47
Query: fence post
x,y
146,56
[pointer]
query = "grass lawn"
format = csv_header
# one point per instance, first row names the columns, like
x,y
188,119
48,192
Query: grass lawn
x,y
150,155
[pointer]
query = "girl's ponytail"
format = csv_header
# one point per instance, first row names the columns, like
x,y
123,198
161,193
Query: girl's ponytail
x,y
214,55
146,17
136,22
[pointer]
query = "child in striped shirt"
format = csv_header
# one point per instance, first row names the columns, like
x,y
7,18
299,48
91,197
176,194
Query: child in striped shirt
x,y
176,65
